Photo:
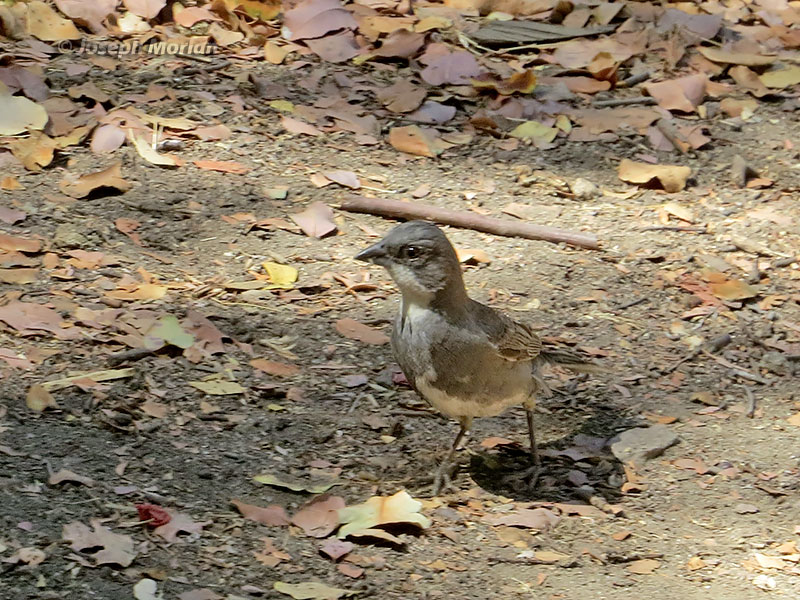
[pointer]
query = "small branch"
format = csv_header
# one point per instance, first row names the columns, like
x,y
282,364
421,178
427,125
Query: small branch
x,y
634,80
624,101
413,210
751,402
686,229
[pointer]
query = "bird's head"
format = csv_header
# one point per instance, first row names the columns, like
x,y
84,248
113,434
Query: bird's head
x,y
419,258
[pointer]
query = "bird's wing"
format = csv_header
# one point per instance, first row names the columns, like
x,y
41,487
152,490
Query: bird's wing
x,y
517,342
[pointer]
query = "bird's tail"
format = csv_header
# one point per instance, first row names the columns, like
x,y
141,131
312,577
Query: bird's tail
x,y
569,358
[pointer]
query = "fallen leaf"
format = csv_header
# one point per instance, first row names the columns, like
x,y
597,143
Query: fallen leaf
x,y
222,166
38,399
145,589
112,548
46,24
18,114
447,67
540,519
272,515
10,243
146,9
354,330
281,276
316,221
293,484
336,549
733,289
643,566
63,475
411,139
311,590
178,523
381,510
747,59
272,367
155,515
670,177
218,387
110,178
781,78
320,516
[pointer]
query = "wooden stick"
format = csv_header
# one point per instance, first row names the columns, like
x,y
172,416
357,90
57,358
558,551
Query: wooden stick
x,y
413,210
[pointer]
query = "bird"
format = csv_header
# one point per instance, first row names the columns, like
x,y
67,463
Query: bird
x,y
464,358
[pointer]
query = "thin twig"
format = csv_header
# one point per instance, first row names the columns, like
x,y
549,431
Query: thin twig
x,y
624,101
751,402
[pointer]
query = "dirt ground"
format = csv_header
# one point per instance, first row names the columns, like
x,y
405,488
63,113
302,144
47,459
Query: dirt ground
x,y
697,520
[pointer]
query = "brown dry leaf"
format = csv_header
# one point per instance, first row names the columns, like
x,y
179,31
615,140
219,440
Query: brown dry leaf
x,y
695,563
733,289
518,83
107,138
684,94
65,475
46,24
350,570
336,549
402,97
114,548
381,510
316,221
354,330
315,18
90,14
748,80
276,53
147,9
670,177
272,367
644,566
178,523
84,185
466,255
447,67
684,213
11,243
344,178
14,360
35,151
154,409
224,166
320,516
335,48
311,590
747,59
540,519
295,126
9,183
794,420
272,516
139,291
32,319
414,140
38,399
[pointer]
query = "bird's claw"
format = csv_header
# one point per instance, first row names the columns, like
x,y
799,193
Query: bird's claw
x,y
442,481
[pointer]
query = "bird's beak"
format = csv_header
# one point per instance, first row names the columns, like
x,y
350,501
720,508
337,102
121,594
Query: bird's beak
x,y
373,254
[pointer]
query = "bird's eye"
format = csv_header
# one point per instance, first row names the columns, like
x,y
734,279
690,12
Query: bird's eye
x,y
412,251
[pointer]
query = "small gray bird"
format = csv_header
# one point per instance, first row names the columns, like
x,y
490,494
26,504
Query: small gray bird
x,y
464,358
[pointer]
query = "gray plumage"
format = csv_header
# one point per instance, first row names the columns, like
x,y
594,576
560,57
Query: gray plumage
x,y
464,358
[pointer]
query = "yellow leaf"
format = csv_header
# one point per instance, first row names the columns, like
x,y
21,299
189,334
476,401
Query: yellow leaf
x,y
733,289
533,130
282,105
282,276
39,399
218,387
381,510
782,78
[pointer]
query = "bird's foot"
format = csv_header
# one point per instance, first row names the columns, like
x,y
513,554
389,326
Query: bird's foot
x,y
524,480
443,481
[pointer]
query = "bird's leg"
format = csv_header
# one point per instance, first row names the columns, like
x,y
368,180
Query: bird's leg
x,y
532,474
442,479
